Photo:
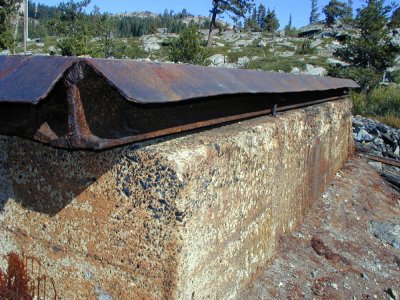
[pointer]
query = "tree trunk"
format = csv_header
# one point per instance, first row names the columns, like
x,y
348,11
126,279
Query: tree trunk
x,y
15,35
212,24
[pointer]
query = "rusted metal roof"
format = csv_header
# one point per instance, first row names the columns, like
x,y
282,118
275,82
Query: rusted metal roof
x,y
29,79
144,82
98,103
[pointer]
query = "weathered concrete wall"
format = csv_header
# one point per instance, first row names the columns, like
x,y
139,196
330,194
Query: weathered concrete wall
x,y
186,218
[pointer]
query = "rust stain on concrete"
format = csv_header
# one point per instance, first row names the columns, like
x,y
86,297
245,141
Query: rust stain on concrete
x,y
191,217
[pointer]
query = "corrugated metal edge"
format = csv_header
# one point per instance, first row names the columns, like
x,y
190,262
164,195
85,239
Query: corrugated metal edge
x,y
71,61
58,78
344,83
315,83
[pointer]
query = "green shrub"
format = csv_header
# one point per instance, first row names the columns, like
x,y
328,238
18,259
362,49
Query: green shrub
x,y
382,103
372,52
305,48
359,103
272,63
367,78
134,51
75,45
233,56
396,76
385,100
188,48
291,33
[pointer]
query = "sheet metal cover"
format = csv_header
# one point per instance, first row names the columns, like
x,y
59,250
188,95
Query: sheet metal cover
x,y
145,82
28,79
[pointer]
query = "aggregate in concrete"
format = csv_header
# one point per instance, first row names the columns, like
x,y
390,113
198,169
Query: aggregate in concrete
x,y
188,217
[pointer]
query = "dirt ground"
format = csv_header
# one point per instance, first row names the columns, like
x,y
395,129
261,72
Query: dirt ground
x,y
348,247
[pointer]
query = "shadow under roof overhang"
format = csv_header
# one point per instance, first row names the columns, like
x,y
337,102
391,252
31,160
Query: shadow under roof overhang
x,y
81,103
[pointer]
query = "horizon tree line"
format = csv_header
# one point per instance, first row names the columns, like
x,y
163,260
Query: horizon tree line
x,y
71,20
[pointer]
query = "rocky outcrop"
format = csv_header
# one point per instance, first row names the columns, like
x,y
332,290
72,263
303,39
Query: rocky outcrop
x,y
151,42
311,30
377,138
217,59
335,62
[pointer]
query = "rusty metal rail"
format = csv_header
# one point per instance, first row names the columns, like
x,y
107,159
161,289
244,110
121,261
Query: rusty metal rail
x,y
96,104
384,160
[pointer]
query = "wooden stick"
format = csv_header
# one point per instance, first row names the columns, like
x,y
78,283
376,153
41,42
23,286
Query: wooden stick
x,y
387,161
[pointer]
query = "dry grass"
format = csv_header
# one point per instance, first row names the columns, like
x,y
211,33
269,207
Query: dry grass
x,y
390,120
383,104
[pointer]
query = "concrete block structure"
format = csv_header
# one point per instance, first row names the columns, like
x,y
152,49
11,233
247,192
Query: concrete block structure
x,y
185,217
116,183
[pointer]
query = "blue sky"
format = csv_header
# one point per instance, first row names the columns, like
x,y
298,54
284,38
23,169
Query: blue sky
x,y
300,9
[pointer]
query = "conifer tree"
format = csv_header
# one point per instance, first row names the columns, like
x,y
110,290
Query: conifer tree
x,y
188,47
335,10
289,29
373,52
350,6
73,26
271,22
314,15
252,22
238,7
8,9
395,19
261,14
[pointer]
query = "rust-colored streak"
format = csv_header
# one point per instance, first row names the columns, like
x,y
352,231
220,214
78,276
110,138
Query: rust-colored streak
x,y
30,79
15,282
173,130
97,103
322,250
25,279
157,83
78,127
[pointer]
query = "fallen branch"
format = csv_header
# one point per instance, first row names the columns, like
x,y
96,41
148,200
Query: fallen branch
x,y
392,179
387,161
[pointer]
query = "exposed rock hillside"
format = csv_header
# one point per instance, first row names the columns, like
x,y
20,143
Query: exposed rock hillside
x,y
255,50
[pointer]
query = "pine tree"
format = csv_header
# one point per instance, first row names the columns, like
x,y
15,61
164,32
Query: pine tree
x,y
314,15
395,19
271,22
8,9
335,10
188,47
237,7
184,13
261,14
373,52
350,6
254,15
289,29
252,22
75,28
